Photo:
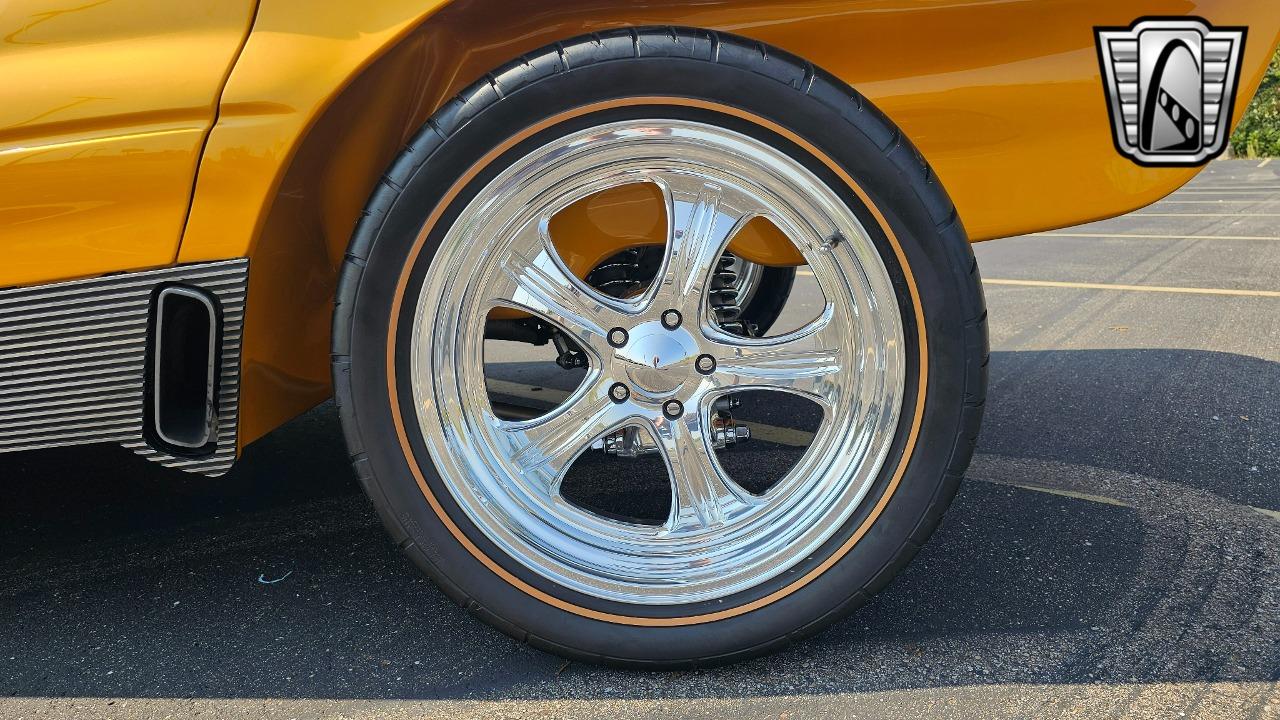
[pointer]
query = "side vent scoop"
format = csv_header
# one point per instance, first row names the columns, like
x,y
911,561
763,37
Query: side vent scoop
x,y
184,360
125,358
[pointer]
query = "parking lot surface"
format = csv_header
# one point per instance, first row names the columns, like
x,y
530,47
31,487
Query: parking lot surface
x,y
1114,553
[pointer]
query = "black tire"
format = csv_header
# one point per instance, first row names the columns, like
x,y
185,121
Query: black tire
x,y
782,91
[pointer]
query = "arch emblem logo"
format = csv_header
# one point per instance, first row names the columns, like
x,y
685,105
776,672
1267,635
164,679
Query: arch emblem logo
x,y
1171,85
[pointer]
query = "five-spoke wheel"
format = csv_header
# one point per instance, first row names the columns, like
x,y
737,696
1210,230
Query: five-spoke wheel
x,y
658,362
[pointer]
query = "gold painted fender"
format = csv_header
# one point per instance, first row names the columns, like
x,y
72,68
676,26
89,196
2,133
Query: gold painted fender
x,y
1004,100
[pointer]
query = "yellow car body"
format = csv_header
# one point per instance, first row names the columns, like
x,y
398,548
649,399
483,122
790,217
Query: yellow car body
x,y
215,214
144,134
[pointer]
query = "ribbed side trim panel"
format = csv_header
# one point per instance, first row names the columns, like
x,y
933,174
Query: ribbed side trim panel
x,y
73,356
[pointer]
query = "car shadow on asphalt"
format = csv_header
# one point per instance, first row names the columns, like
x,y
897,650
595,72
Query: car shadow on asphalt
x,y
1107,534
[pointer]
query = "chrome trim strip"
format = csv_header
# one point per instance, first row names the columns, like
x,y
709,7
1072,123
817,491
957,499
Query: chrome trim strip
x,y
73,357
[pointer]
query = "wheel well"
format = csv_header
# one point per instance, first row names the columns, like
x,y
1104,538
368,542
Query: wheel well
x,y
338,162
345,151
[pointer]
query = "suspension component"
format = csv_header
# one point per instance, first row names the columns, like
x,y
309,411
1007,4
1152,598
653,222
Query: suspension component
x,y
570,355
526,330
725,300
627,273
725,403
725,431
630,442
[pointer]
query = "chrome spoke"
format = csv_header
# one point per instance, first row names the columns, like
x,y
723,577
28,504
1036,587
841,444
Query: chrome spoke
x,y
702,495
703,217
543,449
536,281
808,362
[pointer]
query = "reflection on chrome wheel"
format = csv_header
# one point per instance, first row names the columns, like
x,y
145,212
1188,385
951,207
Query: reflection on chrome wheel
x,y
719,538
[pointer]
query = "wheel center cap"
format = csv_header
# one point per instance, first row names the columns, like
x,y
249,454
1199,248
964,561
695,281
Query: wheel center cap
x,y
658,361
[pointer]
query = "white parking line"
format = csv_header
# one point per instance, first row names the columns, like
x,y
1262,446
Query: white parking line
x,y
1090,497
554,396
1227,186
1203,202
801,438
515,389
1155,237
1234,215
1134,288
1264,163
1100,499
1227,191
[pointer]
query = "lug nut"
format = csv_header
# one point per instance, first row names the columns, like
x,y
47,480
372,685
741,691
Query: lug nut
x,y
671,319
619,392
617,337
705,364
673,409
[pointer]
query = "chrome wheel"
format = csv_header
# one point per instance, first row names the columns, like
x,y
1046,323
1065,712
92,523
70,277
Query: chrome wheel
x,y
672,359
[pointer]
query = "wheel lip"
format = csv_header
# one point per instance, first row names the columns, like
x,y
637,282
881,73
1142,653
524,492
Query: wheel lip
x,y
619,561
696,614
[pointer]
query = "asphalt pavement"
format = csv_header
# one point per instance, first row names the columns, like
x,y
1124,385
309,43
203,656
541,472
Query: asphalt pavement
x,y
1114,552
